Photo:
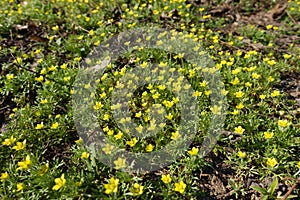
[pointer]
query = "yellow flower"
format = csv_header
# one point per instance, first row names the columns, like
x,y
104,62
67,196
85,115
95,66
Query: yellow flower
x,y
24,164
235,81
180,187
298,164
262,96
248,84
85,155
144,65
91,32
44,101
18,60
168,104
251,69
107,149
268,135
271,62
197,93
110,132
216,110
206,16
149,148
161,87
239,94
47,82
166,178
43,71
235,112
241,154
52,68
9,76
224,92
4,176
120,163
39,126
271,79
255,75
275,93
269,27
43,170
138,114
67,78
175,135
236,71
139,128
207,92
77,59
55,28
239,53
9,141
156,95
39,79
106,129
64,66
137,189
59,182
240,106
79,141
132,142
175,100
20,145
283,123
272,162
119,135
106,117
112,186
54,125
20,187
194,151
80,37
203,83
239,130
287,56
98,105
97,43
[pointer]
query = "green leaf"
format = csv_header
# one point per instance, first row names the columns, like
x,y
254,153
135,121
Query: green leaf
x,y
125,177
273,186
265,197
260,189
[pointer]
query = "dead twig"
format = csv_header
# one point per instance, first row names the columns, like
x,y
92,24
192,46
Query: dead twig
x,y
291,190
289,15
81,28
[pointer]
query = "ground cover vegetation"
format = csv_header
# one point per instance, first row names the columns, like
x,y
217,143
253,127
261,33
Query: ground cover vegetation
x,y
255,46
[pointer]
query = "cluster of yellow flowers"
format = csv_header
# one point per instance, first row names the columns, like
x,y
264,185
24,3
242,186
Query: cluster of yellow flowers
x,y
112,187
178,187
